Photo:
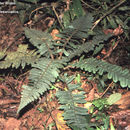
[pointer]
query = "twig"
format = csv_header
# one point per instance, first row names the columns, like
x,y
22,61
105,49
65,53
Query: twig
x,y
50,112
107,13
111,49
45,124
106,89
53,8
88,5
34,11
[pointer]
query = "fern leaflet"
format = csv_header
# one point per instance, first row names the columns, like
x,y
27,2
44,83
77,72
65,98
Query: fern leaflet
x,y
113,71
41,40
21,57
44,72
73,114
76,32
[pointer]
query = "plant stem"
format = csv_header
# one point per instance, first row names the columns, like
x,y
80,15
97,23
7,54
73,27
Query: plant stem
x,y
110,85
53,8
88,5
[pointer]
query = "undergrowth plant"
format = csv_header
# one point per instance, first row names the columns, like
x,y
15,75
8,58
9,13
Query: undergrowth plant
x,y
110,14
49,58
75,115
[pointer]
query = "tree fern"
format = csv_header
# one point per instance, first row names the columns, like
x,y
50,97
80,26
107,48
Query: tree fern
x,y
73,114
113,71
22,57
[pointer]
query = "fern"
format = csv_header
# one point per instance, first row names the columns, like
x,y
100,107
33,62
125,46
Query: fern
x,y
90,46
73,114
77,31
76,39
46,70
22,57
80,30
113,71
41,40
43,73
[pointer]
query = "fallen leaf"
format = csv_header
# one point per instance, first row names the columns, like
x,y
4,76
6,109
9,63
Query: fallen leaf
x,y
124,102
90,96
60,122
53,34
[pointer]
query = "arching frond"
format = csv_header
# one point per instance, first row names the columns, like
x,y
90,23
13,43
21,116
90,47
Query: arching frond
x,y
113,71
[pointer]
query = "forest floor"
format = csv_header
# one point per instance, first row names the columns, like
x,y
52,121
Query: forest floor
x,y
44,113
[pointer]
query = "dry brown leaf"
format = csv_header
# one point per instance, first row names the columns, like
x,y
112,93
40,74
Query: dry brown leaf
x,y
12,124
122,117
117,31
90,96
60,123
53,34
124,102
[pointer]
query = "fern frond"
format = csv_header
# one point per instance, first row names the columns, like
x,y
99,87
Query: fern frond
x,y
41,40
89,46
44,72
22,57
113,71
80,27
73,114
77,31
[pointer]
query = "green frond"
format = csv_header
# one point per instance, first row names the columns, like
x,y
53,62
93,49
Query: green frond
x,y
80,27
73,114
89,46
87,22
113,71
41,40
29,94
43,73
22,57
72,37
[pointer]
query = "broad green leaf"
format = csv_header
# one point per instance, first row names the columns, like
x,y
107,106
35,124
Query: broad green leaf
x,y
113,98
